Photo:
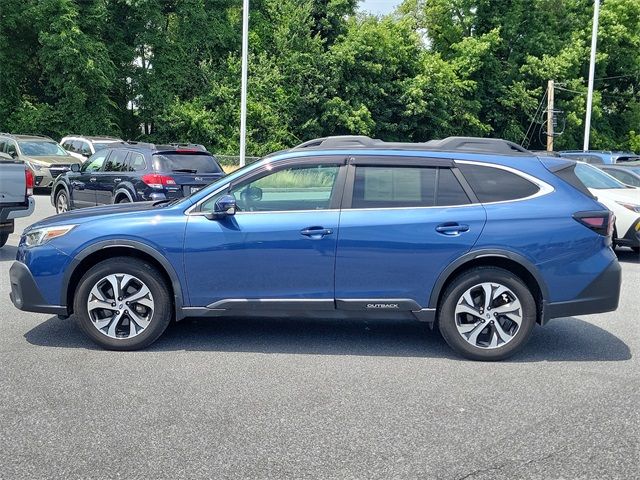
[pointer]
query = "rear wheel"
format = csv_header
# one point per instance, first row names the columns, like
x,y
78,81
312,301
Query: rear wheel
x,y
123,199
487,313
636,250
123,304
62,201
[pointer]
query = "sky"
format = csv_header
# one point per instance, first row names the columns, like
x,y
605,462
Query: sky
x,y
379,6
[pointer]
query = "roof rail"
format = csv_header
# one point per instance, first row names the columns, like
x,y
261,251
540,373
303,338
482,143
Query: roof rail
x,y
457,144
339,141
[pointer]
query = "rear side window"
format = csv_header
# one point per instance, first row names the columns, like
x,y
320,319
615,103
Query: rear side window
x,y
495,184
185,162
388,187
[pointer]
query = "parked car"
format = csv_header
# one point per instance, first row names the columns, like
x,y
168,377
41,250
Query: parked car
x,y
629,175
607,157
82,147
135,172
16,194
621,199
476,236
43,155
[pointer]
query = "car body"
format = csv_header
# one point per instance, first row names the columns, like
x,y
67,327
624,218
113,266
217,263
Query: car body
x,y
629,175
623,200
607,157
44,156
135,172
456,233
82,147
16,194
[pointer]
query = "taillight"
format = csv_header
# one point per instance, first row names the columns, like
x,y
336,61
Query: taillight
x,y
601,222
156,180
28,180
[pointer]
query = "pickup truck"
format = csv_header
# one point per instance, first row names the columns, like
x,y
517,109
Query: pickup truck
x,y
16,194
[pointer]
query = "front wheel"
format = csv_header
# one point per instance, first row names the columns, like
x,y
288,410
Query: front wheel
x,y
123,304
62,201
487,313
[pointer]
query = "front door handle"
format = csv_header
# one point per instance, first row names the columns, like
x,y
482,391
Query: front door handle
x,y
316,232
452,228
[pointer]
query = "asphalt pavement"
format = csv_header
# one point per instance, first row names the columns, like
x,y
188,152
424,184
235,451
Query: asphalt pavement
x,y
291,398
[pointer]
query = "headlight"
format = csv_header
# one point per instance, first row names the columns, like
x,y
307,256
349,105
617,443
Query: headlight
x,y
35,166
41,236
631,206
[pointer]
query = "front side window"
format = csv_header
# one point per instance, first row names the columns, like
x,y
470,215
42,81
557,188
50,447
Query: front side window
x,y
36,148
495,184
294,188
94,163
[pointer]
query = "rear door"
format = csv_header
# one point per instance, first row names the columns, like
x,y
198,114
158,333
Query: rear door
x,y
110,176
403,221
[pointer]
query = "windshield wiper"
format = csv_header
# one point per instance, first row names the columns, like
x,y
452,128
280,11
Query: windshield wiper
x,y
184,170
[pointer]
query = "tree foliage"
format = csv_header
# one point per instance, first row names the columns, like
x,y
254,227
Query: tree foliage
x,y
170,70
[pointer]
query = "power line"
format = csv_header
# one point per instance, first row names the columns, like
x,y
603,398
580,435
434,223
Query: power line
x,y
535,116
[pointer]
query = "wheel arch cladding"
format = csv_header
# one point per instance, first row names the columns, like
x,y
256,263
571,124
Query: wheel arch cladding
x,y
105,250
508,261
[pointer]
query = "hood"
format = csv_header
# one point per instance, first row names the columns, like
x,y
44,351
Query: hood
x,y
628,195
84,215
53,159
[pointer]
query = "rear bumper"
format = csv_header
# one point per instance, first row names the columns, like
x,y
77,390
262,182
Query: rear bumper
x,y
17,211
601,295
25,294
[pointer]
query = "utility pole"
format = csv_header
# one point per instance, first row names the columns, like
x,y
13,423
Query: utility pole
x,y
592,69
550,113
243,93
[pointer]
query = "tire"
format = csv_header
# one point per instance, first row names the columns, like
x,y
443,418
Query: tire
x,y
636,250
124,199
486,335
62,201
119,331
3,239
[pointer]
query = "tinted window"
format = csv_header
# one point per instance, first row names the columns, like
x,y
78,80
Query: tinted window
x,y
37,148
496,185
185,162
94,163
76,146
136,162
592,177
450,192
387,187
116,161
85,149
67,145
295,188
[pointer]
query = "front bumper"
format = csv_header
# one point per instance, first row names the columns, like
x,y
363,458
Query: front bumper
x,y
25,294
601,295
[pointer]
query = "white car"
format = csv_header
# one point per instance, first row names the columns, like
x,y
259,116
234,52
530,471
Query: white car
x,y
83,147
621,199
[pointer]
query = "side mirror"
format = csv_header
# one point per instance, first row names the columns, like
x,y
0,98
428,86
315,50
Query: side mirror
x,y
75,167
224,206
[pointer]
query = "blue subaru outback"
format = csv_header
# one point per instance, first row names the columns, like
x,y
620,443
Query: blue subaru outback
x,y
477,237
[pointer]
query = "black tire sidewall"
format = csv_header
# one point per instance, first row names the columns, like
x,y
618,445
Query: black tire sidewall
x,y
446,312
62,192
150,276
3,239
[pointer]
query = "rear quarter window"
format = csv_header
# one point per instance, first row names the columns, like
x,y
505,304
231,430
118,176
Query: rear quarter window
x,y
492,184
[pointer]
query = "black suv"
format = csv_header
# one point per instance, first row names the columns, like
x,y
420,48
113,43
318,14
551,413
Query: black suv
x,y
135,172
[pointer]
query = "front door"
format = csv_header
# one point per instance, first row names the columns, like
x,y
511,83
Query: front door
x,y
83,192
278,250
401,225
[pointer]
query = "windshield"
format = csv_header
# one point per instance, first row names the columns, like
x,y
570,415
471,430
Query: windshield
x,y
593,177
38,148
185,162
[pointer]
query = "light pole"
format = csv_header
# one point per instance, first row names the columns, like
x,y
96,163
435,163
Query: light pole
x,y
243,94
592,69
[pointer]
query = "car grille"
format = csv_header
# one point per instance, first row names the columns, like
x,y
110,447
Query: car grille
x,y
58,170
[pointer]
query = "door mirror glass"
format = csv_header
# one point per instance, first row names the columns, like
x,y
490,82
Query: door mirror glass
x,y
75,167
224,206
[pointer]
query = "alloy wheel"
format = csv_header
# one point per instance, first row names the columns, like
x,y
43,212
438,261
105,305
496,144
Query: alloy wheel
x,y
120,306
488,315
62,204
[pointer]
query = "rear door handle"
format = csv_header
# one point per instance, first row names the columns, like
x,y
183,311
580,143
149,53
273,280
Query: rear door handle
x,y
316,232
452,228
92,179
116,180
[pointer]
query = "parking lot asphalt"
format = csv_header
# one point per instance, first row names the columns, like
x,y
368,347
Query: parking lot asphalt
x,y
291,398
